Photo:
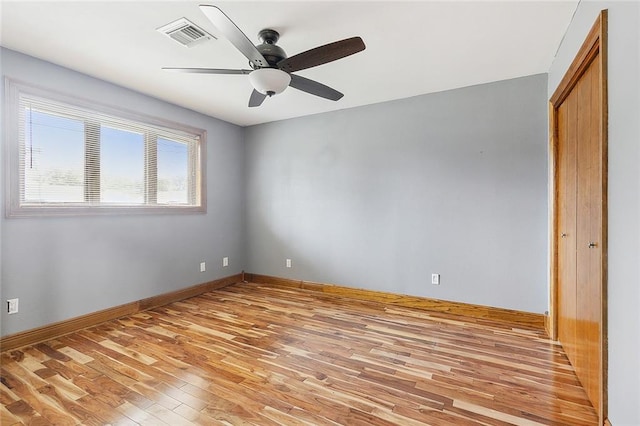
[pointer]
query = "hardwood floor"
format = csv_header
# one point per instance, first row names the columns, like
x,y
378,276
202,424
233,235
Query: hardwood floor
x,y
254,354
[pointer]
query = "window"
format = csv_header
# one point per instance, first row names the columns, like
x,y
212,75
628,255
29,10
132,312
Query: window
x,y
70,157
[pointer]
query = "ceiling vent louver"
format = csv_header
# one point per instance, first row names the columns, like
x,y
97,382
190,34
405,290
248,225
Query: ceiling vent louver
x,y
185,32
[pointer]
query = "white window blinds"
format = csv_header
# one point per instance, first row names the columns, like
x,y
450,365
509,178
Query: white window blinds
x,y
70,156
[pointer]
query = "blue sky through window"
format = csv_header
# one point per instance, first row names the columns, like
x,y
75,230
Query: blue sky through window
x,y
54,158
121,166
173,169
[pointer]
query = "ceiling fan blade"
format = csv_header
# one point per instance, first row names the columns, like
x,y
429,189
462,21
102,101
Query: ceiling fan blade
x,y
321,55
231,31
314,88
207,70
256,98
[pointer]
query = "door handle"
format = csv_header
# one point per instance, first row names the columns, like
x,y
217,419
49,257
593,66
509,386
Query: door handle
x,y
592,245
563,235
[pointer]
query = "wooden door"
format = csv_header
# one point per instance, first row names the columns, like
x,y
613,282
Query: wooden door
x,y
589,231
578,119
566,238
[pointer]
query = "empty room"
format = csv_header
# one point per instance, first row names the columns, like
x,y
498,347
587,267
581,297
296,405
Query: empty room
x,y
320,213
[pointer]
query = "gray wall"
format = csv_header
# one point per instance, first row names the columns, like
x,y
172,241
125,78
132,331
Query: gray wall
x,y
624,194
381,196
64,267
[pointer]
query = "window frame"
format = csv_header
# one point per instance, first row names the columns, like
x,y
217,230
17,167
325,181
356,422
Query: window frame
x,y
15,89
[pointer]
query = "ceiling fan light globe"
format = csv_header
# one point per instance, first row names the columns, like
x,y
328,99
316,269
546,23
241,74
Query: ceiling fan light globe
x,y
269,81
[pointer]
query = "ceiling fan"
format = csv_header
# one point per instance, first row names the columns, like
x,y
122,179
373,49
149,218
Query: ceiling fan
x,y
271,70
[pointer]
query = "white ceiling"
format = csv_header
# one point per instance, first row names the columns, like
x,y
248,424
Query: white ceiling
x,y
413,48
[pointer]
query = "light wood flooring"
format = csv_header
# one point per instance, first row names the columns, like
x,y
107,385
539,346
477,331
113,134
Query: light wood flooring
x,y
254,354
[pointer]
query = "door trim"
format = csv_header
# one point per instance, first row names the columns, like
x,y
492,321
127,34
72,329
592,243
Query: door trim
x,y
596,42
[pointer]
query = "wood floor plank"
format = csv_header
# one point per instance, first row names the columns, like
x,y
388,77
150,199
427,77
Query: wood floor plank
x,y
261,355
33,402
7,418
138,415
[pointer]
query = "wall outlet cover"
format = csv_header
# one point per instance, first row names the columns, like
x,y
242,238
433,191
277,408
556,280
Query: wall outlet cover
x,y
12,306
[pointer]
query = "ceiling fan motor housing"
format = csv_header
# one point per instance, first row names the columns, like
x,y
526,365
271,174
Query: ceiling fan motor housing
x,y
271,52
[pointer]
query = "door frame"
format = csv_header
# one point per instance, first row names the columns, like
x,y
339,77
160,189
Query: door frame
x,y
596,42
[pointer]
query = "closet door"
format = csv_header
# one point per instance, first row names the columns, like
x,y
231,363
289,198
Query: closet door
x,y
578,119
589,232
566,197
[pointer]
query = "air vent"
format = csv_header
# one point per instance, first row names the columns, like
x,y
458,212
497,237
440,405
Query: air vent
x,y
185,32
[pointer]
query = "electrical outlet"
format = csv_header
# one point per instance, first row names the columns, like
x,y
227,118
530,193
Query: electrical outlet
x,y
12,306
225,261
288,263
435,279
203,266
